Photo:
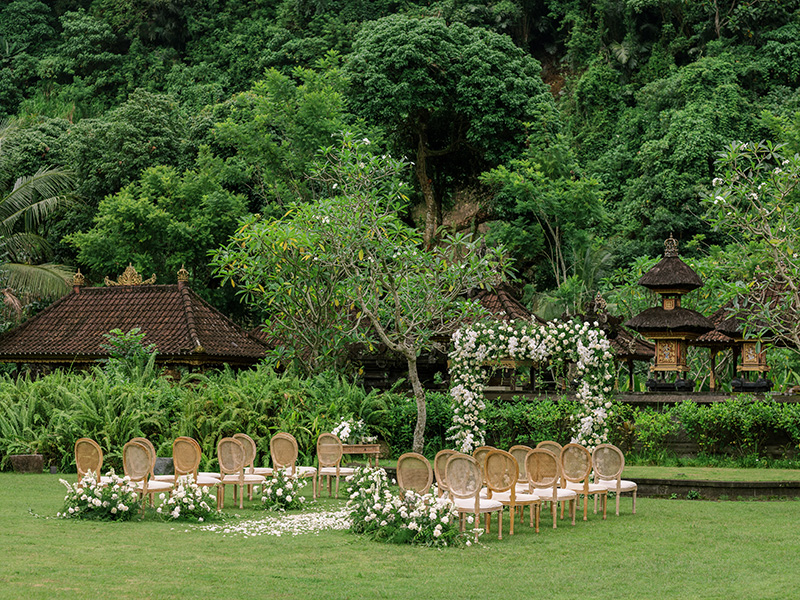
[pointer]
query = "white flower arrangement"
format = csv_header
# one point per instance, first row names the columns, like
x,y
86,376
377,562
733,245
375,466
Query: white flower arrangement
x,y
377,511
556,344
188,502
282,493
117,500
351,431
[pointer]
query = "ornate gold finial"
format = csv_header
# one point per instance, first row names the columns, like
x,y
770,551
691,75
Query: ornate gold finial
x,y
130,277
670,247
78,279
183,274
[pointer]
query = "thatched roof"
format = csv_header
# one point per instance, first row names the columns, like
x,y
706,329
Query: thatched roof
x,y
677,320
671,273
502,304
715,337
626,345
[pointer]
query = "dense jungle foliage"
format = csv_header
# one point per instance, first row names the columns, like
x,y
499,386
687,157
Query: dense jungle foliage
x,y
578,133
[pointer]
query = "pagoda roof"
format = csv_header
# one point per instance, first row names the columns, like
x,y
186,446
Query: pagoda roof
x,y
626,345
715,337
184,327
658,319
671,273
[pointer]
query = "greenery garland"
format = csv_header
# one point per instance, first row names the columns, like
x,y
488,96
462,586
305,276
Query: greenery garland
x,y
555,344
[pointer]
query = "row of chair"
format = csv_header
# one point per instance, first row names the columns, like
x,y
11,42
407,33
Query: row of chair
x,y
491,479
236,457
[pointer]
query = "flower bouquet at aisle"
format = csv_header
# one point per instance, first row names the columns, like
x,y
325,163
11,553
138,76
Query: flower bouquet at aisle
x,y
410,518
282,493
117,500
188,502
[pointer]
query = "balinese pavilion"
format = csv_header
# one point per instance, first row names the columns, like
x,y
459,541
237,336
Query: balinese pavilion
x,y
185,329
669,325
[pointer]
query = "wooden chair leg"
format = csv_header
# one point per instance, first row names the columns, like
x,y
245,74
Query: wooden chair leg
x,y
634,501
500,523
511,527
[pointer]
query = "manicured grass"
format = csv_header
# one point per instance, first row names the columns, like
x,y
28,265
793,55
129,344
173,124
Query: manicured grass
x,y
710,473
669,549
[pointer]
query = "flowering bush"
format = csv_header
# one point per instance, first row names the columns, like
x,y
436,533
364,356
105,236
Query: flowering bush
x,y
88,499
351,431
282,493
408,519
555,344
188,502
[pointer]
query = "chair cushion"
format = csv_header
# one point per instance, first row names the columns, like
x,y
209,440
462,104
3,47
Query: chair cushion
x,y
505,498
468,505
332,471
593,487
266,471
624,485
561,494
248,479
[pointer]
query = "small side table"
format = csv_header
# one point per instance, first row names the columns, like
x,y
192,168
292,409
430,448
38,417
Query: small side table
x,y
373,450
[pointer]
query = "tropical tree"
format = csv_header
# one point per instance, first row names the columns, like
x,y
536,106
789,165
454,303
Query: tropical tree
x,y
25,204
456,98
387,287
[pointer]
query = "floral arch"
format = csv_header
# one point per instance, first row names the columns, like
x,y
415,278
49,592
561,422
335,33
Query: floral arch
x,y
556,344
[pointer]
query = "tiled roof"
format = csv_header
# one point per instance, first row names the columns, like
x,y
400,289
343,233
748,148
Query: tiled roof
x,y
626,345
184,328
502,304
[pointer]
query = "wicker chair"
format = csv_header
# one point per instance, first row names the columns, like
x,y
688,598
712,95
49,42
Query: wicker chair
x,y
138,461
576,468
414,473
283,450
250,450
552,446
153,483
608,463
329,455
89,458
464,482
186,455
544,472
520,453
231,455
502,472
439,465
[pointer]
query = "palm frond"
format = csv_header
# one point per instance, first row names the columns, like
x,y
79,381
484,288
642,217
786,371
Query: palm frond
x,y
24,248
48,280
35,197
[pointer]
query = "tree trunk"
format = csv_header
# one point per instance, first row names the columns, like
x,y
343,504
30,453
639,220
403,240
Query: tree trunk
x,y
432,211
419,395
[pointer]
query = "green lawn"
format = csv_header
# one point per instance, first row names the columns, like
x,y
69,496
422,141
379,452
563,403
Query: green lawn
x,y
710,473
669,549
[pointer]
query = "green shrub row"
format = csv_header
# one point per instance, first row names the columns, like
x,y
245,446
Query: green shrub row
x,y
47,415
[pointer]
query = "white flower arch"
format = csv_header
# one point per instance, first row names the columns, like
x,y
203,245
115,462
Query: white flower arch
x,y
555,344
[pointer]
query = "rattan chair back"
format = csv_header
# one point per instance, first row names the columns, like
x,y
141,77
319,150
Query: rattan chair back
x,y
414,473
542,468
479,454
439,465
137,461
88,457
231,456
186,455
283,449
249,446
463,475
554,447
608,462
576,463
501,471
520,453
329,450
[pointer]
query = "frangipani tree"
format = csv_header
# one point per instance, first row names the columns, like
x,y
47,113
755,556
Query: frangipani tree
x,y
756,198
381,285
